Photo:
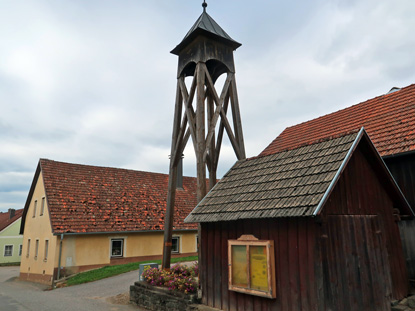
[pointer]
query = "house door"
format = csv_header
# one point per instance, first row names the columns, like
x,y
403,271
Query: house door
x,y
355,264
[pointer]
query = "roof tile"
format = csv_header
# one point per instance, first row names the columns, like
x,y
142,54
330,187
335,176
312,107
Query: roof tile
x,y
388,119
5,220
84,198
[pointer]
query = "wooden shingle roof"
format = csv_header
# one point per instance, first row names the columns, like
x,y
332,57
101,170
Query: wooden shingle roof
x,y
388,119
93,199
205,25
285,184
291,183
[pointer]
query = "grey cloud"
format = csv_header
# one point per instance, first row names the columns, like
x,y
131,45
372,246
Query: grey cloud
x,y
94,82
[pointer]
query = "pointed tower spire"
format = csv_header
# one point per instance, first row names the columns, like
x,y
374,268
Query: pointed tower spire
x,y
205,53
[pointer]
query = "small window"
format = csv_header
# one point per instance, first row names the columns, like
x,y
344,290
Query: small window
x,y
117,247
28,247
197,243
42,206
34,208
20,250
8,250
175,244
36,249
252,266
46,250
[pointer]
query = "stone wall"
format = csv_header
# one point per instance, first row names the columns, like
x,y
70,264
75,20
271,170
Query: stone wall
x,y
158,298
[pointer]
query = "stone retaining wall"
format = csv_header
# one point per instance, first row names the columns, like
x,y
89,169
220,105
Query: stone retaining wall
x,y
158,298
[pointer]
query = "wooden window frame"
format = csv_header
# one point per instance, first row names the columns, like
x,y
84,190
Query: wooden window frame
x,y
11,250
122,240
248,241
178,244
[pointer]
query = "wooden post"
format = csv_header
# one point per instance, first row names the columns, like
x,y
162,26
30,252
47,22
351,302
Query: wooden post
x,y
236,116
211,147
200,133
171,191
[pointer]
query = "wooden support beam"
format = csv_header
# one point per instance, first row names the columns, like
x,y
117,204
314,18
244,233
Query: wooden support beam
x,y
188,99
168,219
220,133
200,133
171,191
232,138
175,156
219,103
236,116
180,148
211,145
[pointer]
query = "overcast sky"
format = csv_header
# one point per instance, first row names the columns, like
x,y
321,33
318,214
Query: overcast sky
x,y
93,82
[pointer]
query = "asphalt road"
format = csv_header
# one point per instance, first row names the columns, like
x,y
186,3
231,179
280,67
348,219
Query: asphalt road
x,y
103,295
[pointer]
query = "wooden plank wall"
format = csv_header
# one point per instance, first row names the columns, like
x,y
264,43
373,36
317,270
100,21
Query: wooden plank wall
x,y
403,170
359,192
407,230
345,268
356,269
296,257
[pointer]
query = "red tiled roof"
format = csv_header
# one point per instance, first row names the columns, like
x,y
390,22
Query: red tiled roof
x,y
84,198
5,221
388,119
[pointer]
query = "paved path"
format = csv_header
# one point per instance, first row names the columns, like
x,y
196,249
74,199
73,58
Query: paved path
x,y
16,295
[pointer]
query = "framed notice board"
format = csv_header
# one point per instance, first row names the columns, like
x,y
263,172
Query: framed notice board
x,y
252,266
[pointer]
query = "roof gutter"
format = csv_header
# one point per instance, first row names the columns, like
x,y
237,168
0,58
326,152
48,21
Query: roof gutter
x,y
118,232
396,155
339,171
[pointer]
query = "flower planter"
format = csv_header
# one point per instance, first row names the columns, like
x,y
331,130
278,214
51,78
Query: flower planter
x,y
160,298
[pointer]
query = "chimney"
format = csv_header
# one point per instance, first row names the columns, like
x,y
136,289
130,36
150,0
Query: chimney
x,y
179,183
12,212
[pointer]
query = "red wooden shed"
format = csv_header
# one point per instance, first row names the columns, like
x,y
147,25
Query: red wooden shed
x,y
328,211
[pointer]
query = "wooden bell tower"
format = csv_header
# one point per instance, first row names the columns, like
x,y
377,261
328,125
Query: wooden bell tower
x,y
205,53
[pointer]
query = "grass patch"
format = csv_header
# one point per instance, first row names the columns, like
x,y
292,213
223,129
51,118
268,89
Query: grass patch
x,y
108,271
9,264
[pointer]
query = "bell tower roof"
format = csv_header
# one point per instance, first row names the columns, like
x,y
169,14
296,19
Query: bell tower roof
x,y
206,25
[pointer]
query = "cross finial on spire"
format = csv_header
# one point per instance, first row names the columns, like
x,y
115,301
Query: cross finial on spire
x,y
204,5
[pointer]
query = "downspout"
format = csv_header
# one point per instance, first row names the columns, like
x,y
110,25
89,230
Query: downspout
x,y
60,257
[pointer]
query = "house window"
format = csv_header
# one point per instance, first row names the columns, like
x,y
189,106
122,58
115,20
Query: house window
x,y
34,208
197,243
8,250
42,206
28,247
46,250
175,244
36,249
252,266
20,250
117,247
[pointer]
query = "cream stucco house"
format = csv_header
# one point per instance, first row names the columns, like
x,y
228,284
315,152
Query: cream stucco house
x,y
10,239
80,217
